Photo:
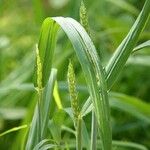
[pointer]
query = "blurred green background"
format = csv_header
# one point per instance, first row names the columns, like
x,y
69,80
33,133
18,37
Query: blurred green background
x,y
109,20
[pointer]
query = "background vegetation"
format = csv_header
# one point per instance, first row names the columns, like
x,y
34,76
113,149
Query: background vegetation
x,y
110,21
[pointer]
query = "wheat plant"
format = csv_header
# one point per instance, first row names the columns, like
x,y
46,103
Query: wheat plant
x,y
46,130
99,80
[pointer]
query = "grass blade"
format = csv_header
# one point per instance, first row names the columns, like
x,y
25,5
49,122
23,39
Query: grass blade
x,y
34,131
41,143
46,47
47,98
87,107
48,146
13,130
124,50
129,145
132,105
141,46
57,97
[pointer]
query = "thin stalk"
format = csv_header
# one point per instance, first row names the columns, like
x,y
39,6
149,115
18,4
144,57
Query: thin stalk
x,y
79,133
93,131
39,119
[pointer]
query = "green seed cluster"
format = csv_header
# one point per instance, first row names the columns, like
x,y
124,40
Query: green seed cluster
x,y
73,92
39,69
84,17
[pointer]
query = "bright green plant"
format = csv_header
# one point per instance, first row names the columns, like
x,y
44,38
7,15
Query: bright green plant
x,y
46,129
99,79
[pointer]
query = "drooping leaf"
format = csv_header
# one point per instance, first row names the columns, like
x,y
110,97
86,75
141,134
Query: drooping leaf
x,y
90,63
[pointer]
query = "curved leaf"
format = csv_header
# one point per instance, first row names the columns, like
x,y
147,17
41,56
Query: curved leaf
x,y
90,63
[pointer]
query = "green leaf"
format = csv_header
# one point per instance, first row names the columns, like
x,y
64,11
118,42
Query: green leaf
x,y
57,97
13,130
131,105
41,143
65,128
119,58
46,47
128,145
46,103
69,112
48,146
141,46
87,107
34,131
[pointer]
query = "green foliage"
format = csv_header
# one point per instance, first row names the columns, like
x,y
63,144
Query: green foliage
x,y
36,132
46,49
44,119
124,50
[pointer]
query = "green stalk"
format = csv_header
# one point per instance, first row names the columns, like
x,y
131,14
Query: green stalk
x,y
79,133
93,131
39,121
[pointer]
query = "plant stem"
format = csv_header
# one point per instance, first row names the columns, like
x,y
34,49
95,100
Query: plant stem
x,y
93,132
79,133
39,119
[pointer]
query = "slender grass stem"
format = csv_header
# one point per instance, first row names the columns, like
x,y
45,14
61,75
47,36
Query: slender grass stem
x,y
79,133
93,132
39,120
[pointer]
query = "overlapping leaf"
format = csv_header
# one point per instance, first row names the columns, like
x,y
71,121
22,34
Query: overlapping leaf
x,y
90,62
